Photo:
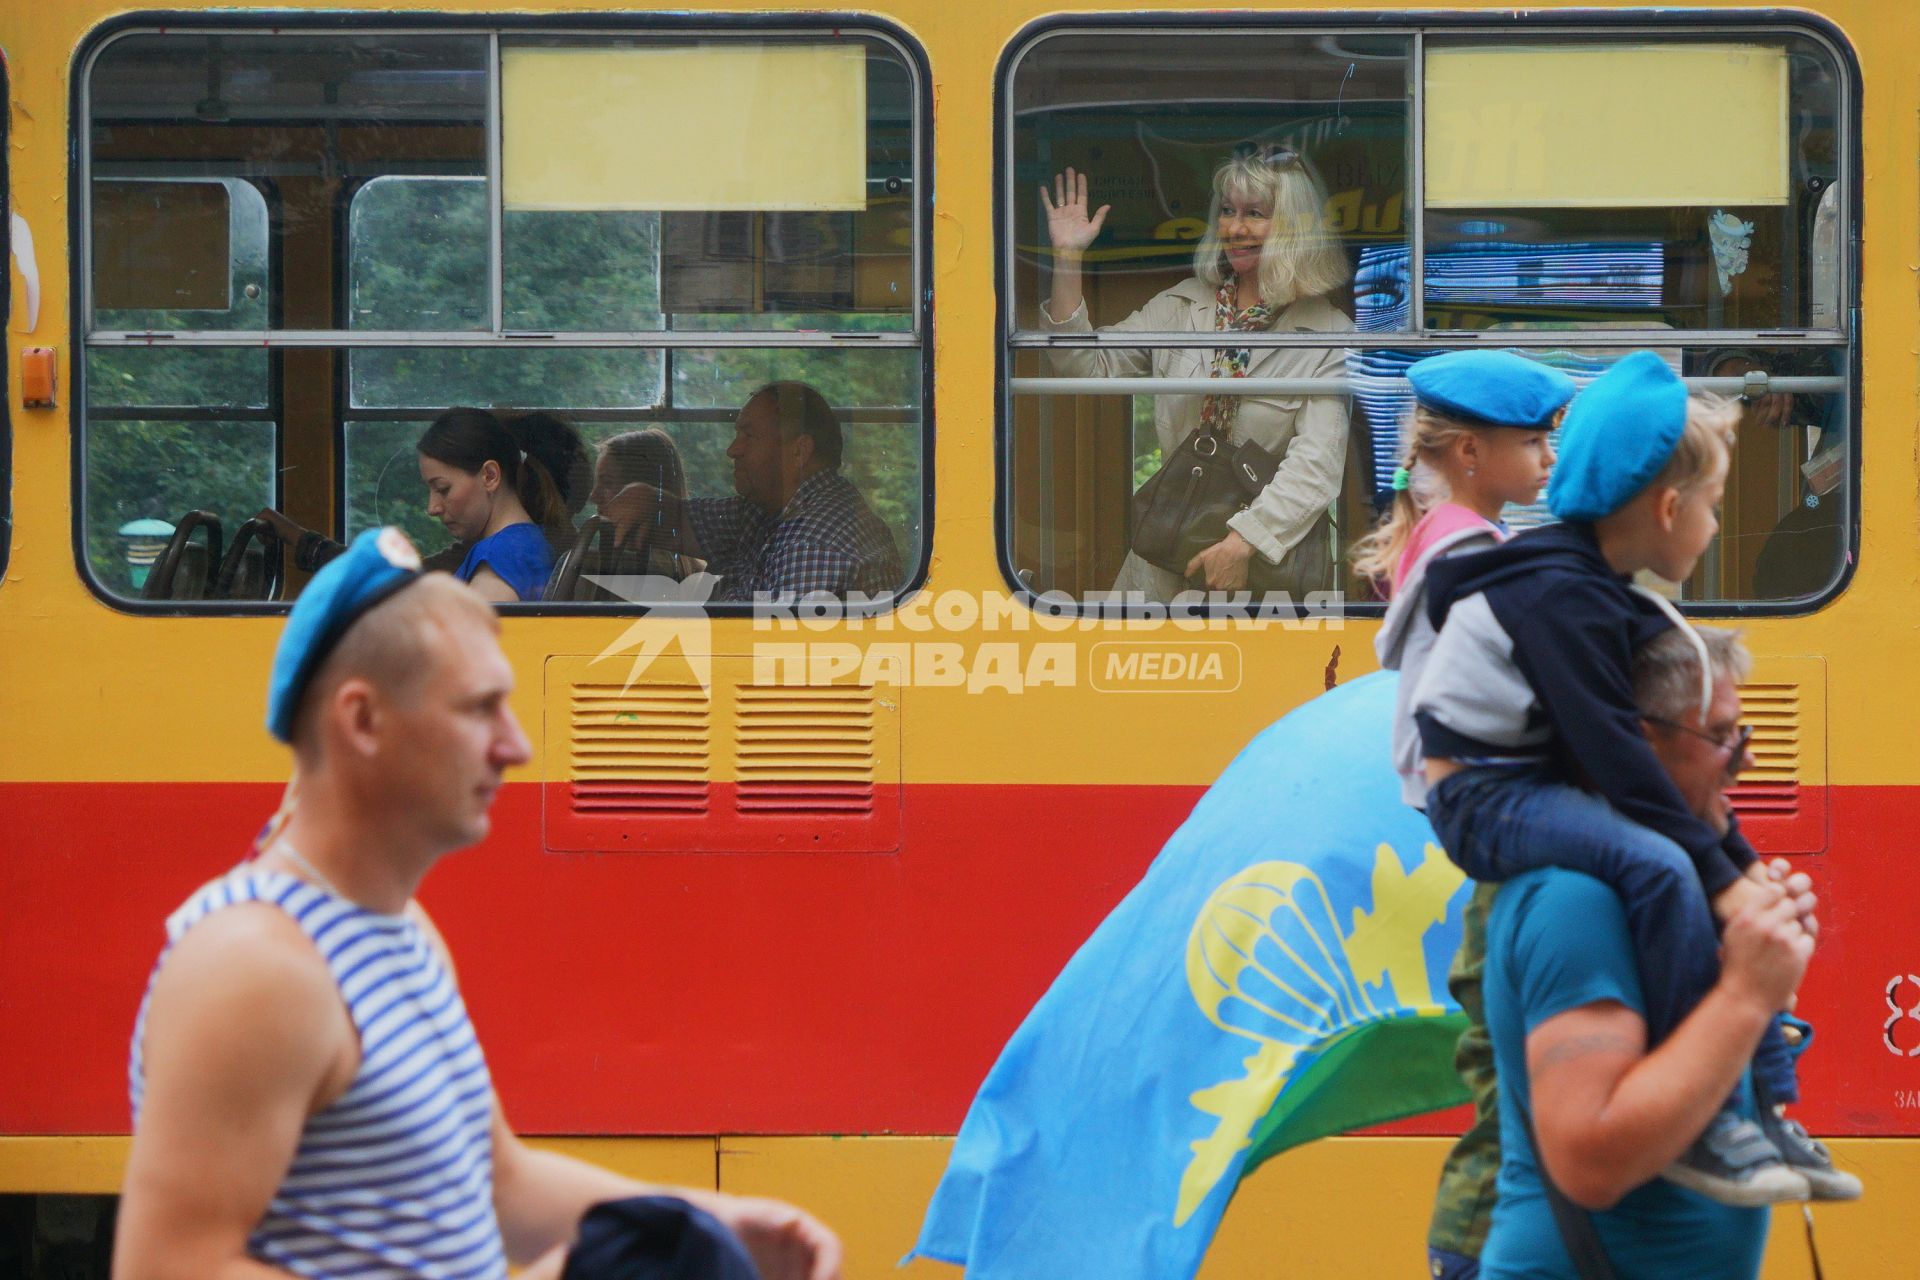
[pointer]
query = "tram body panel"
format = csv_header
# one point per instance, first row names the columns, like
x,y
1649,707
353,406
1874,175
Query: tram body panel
x,y
841,1007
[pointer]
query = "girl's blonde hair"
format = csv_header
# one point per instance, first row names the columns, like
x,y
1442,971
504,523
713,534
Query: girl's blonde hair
x,y
1426,435
1300,258
1709,433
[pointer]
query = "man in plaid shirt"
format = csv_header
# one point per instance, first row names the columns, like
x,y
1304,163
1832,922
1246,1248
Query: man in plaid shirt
x,y
796,527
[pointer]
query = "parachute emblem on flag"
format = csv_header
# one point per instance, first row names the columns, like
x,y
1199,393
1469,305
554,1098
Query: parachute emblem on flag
x,y
1268,961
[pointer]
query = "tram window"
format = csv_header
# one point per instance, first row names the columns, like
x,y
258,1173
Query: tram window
x,y
1727,246
877,394
1150,118
1785,516
1077,459
418,254
475,218
1549,199
221,378
419,262
177,431
303,114
788,194
144,472
153,285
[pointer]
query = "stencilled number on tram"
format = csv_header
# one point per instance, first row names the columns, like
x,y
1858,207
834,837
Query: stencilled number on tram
x,y
1902,1015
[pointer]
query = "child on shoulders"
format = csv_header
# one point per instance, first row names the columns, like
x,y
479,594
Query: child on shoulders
x,y
1527,694
1477,439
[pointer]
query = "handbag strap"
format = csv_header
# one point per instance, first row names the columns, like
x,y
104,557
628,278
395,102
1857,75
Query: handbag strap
x,y
1577,1231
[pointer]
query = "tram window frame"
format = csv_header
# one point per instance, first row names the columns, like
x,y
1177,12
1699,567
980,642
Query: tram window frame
x,y
6,318
914,343
1647,27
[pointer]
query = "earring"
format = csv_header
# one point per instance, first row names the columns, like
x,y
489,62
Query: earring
x,y
1469,471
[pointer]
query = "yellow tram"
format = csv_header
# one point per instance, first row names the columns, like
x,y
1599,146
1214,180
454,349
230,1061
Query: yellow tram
x,y
780,881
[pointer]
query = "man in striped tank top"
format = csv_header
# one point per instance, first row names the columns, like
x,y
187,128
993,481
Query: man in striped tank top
x,y
309,1097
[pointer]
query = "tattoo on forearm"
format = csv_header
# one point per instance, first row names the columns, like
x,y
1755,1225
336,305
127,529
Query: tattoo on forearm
x,y
1584,1046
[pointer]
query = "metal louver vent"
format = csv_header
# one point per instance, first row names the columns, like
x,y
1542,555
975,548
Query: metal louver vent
x,y
697,758
805,750
1772,787
639,750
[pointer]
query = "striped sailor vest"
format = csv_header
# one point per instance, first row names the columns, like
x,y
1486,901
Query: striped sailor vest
x,y
395,1177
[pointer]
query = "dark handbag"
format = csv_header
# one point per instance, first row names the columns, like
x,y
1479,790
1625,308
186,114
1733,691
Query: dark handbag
x,y
1183,509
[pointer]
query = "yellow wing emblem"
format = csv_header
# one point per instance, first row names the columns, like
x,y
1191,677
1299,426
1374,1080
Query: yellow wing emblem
x,y
1267,960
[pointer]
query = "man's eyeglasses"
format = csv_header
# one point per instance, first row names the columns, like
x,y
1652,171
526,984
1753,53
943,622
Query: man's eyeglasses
x,y
1735,740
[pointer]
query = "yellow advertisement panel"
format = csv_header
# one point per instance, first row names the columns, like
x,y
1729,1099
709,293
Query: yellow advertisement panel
x,y
755,127
1605,125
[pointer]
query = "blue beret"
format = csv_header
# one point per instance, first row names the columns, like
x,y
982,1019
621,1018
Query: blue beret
x,y
1617,436
1499,388
375,565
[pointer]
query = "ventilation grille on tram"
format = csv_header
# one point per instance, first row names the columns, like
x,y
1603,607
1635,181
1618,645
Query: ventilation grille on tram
x,y
710,757
1772,787
805,750
643,750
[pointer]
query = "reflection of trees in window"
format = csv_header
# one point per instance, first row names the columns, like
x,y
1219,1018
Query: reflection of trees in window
x,y
373,150
417,261
140,468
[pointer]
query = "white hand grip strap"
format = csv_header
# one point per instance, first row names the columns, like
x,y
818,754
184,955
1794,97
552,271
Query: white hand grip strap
x,y
1693,638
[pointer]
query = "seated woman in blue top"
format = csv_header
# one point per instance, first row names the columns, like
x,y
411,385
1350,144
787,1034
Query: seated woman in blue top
x,y
506,491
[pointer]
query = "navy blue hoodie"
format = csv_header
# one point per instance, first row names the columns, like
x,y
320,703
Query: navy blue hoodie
x,y
1534,662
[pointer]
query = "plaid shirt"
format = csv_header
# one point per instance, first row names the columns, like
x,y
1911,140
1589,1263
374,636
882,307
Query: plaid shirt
x,y
826,540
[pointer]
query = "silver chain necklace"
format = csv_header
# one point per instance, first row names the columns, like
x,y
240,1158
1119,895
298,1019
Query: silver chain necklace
x,y
293,855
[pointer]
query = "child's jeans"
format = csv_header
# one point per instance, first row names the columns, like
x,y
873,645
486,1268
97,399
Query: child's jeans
x,y
1498,822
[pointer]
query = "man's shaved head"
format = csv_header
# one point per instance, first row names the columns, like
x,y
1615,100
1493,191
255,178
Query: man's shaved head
x,y
392,646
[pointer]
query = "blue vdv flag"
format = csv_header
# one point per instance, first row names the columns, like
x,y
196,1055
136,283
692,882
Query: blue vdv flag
x,y
1279,974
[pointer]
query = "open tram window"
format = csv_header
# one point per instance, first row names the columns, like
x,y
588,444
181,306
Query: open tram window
x,y
1558,211
475,217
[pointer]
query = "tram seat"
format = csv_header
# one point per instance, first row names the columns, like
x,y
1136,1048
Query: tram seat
x,y
253,566
594,553
186,568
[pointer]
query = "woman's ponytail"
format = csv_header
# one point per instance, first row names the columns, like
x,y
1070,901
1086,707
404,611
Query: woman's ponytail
x,y
555,473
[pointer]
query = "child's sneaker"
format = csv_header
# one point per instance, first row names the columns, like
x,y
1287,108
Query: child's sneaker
x,y
1734,1163
1808,1157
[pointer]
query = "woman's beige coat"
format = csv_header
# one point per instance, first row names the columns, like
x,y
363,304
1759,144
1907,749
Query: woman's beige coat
x,y
1290,522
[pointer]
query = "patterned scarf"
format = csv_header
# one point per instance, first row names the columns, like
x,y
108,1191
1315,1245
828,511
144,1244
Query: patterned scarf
x,y
1217,412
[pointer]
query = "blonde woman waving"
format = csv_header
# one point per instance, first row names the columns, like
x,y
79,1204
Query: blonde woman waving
x,y
1265,264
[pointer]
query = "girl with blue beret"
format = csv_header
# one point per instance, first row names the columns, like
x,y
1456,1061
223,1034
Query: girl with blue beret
x,y
1476,440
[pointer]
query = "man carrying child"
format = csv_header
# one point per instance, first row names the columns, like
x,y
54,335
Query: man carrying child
x,y
1538,759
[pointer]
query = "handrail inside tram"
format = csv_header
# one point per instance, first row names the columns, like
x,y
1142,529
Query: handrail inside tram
x,y
1754,384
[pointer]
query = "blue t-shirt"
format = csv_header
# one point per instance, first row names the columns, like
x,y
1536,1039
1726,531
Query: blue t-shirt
x,y
518,553
1557,940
